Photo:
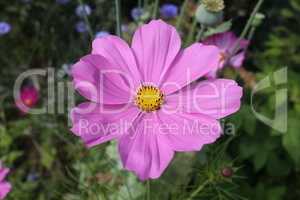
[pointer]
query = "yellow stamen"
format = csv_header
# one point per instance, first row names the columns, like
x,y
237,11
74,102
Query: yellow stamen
x,y
149,98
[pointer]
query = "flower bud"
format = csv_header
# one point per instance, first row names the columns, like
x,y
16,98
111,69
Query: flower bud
x,y
258,18
208,18
227,172
213,5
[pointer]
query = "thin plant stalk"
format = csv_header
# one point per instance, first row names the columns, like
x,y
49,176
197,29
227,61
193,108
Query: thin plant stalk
x,y
145,4
155,10
248,25
148,190
198,190
192,32
193,29
129,192
251,33
181,16
118,17
201,33
86,20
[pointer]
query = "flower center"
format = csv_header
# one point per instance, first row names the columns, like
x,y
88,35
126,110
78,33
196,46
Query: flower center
x,y
28,102
214,5
149,98
223,56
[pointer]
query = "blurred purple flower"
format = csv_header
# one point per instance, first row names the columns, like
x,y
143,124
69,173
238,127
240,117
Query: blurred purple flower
x,y
4,28
5,187
136,13
169,10
101,34
81,27
28,98
228,54
83,10
62,1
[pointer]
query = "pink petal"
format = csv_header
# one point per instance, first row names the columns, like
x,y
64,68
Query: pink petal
x,y
119,54
143,151
212,74
189,132
191,64
237,60
5,188
155,46
224,41
96,123
3,173
216,98
98,80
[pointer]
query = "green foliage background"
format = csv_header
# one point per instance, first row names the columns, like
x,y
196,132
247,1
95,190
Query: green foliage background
x,y
48,162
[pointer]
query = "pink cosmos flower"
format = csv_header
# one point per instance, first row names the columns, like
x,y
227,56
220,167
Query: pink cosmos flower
x,y
28,98
225,42
147,97
5,186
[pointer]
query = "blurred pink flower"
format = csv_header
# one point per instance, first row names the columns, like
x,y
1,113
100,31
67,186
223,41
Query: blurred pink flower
x,y
5,186
147,98
225,42
28,98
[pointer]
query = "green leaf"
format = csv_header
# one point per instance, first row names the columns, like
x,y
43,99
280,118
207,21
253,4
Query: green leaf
x,y
277,165
276,193
260,159
48,156
224,27
12,156
291,140
249,120
5,139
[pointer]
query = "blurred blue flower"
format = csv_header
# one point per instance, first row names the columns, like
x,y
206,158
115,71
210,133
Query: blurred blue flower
x,y
4,28
101,34
32,176
124,28
62,1
169,10
81,27
136,13
83,10
26,1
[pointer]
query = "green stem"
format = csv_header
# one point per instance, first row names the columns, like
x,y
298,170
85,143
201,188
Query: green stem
x,y
118,17
251,33
155,11
200,33
145,5
248,25
182,12
86,20
129,192
198,190
192,32
148,190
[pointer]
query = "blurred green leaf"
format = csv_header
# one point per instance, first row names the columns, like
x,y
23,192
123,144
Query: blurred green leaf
x,y
291,140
